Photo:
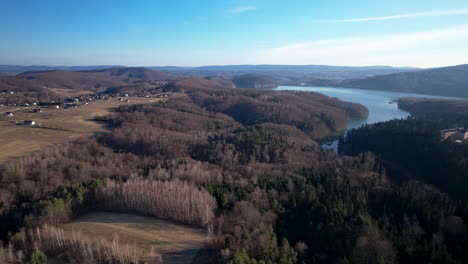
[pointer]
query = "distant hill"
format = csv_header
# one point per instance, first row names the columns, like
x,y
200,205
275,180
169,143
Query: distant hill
x,y
132,74
221,80
17,69
283,74
40,85
288,68
289,74
447,81
255,81
196,82
94,80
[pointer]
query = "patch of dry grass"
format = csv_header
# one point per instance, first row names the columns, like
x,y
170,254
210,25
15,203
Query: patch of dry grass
x,y
175,243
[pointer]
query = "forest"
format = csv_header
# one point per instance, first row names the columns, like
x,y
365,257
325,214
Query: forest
x,y
246,165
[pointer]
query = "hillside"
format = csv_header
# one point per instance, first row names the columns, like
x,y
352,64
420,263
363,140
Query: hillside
x,y
421,107
131,74
448,81
255,81
221,80
315,114
45,85
109,77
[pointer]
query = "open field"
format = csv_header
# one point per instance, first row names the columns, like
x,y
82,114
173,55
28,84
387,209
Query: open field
x,y
55,125
68,92
154,238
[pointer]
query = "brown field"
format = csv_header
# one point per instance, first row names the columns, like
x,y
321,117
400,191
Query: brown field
x,y
69,92
55,125
154,238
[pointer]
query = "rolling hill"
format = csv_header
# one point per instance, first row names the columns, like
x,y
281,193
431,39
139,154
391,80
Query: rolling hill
x,y
46,85
255,81
421,107
288,74
447,81
95,80
307,69
17,69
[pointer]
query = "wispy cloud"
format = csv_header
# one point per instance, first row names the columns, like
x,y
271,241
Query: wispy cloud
x,y
241,9
463,11
439,47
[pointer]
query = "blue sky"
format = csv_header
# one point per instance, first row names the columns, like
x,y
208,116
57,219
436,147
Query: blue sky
x,y
418,33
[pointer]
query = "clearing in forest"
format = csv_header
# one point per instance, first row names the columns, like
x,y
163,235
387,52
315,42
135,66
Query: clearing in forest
x,y
174,243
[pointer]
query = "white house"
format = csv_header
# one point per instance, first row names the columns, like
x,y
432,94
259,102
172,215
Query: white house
x,y
29,123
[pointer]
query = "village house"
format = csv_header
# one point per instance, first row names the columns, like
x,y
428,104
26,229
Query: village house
x,y
454,134
67,106
29,123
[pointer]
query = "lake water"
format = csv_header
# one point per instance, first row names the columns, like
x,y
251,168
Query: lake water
x,y
379,103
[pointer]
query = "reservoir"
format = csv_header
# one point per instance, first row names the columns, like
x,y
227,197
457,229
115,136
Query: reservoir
x,y
380,104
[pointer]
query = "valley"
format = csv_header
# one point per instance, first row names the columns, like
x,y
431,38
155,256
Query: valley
x,y
234,132
138,166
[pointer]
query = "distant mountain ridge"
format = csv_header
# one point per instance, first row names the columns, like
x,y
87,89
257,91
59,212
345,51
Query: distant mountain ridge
x,y
231,70
283,68
94,80
446,81
17,69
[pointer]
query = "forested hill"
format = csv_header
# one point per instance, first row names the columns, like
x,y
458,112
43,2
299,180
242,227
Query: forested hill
x,y
448,81
421,107
53,84
433,177
255,81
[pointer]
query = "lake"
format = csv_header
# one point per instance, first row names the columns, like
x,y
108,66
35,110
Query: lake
x,y
380,104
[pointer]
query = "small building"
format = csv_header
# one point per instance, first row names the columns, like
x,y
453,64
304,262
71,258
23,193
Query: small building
x,y
29,123
55,106
8,114
67,106
454,134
